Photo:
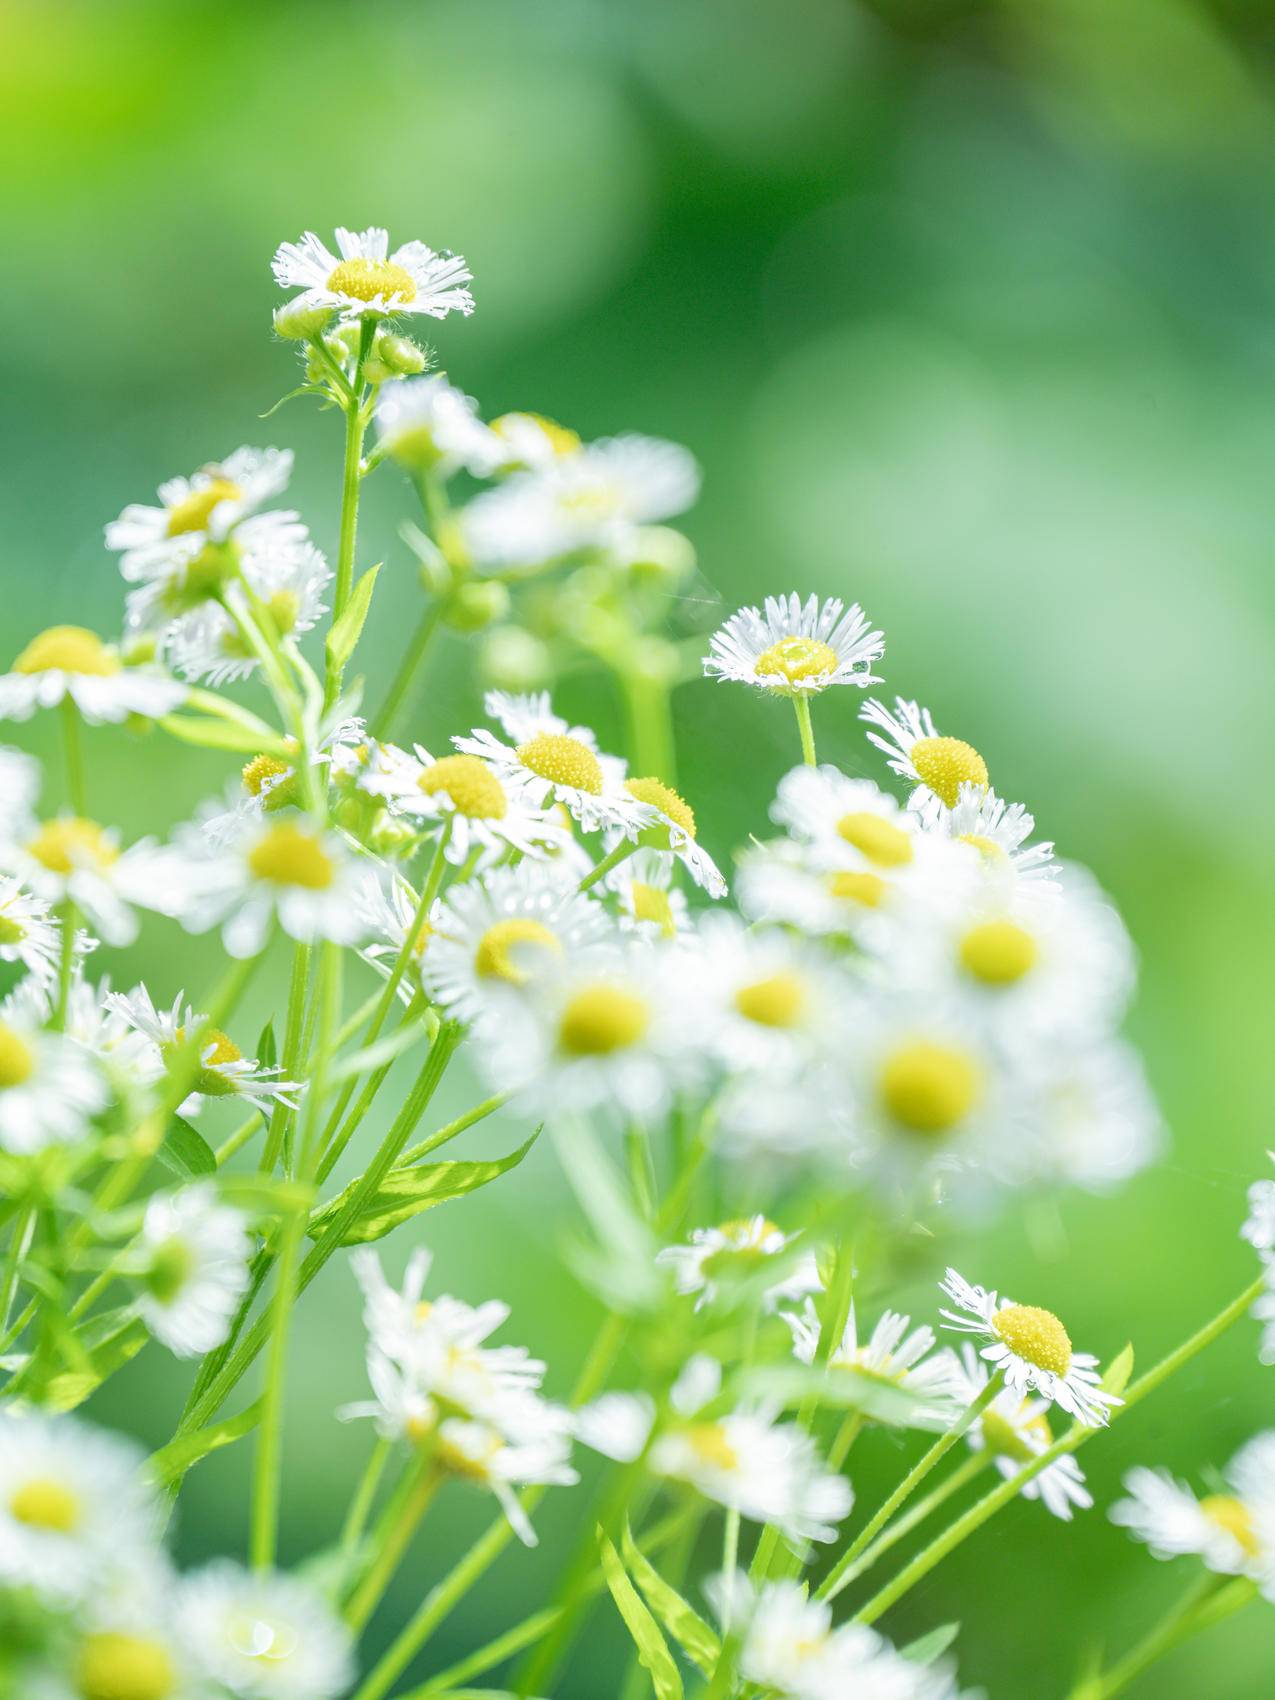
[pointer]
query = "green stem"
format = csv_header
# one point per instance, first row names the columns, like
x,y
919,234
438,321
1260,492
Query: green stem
x,y
650,726
291,1053
76,789
488,1107
19,1241
355,426
69,916
1196,1610
383,724
801,707
612,859
965,1472
367,1596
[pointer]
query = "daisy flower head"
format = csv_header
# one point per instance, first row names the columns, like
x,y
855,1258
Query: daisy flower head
x,y
119,1648
480,806
74,1506
1000,832
1014,1431
537,1453
49,1087
390,916
193,571
71,661
428,425
206,506
19,788
779,884
263,1636
72,859
767,1002
1032,1349
796,648
894,1356
844,822
28,933
717,1260
365,280
1263,1311
650,905
533,442
196,1252
289,581
936,767
668,831
1231,1532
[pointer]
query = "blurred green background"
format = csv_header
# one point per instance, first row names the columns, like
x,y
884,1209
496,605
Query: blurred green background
x,y
968,311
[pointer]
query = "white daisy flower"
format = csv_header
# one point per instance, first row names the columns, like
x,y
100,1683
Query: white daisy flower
x,y
73,661
74,860
264,1636
127,1059
484,1453
430,426
498,931
196,1250
208,643
28,935
895,1355
224,1071
999,831
718,1259
1015,1431
796,648
485,812
846,823
650,905
1263,1311
192,571
670,833
767,1002
1232,1532
49,1088
937,767
533,442
208,505
1093,1120
119,1649
1259,1225
74,1506
389,915
1032,1349
367,280
778,884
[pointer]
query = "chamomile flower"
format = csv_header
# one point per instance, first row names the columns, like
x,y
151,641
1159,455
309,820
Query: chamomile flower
x,y
670,832
209,643
74,860
650,905
71,661
28,934
895,1355
999,831
485,1454
481,808
365,279
1014,1431
719,1259
844,822
937,767
779,884
223,1072
1231,1532
264,1636
74,1506
49,1088
1032,1349
502,930
120,1650
428,425
390,915
195,1251
768,1002
1094,1121
207,505
533,442
192,572
796,648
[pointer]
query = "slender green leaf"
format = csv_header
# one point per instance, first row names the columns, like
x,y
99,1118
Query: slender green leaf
x,y
171,1462
343,638
404,1193
267,1049
1119,1371
221,735
677,1615
64,1392
652,1648
926,1648
186,1152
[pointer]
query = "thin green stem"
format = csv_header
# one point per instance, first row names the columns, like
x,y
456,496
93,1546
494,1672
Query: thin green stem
x,y
916,1514
69,917
801,707
428,624
294,1022
361,1502
1196,1610
351,474
650,725
488,1107
367,1596
612,859
19,1243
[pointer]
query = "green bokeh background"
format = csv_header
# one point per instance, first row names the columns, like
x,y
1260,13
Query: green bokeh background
x,y
968,311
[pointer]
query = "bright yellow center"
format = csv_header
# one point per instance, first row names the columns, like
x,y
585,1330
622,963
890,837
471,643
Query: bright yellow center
x,y
665,799
17,1059
945,764
71,842
652,904
747,1248
474,790
777,1001
1014,1440
562,760
216,1049
289,855
987,848
928,1088
709,1443
43,1503
795,659
112,1666
867,889
192,513
999,952
600,1019
470,1466
560,438
263,771
504,948
1035,1335
1232,1515
365,280
879,840
68,649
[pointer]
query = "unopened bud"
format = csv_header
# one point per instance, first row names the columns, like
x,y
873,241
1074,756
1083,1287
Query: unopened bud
x,y
478,603
300,323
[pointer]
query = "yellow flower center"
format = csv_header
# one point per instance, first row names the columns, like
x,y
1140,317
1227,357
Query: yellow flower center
x,y
795,659
747,1248
1014,1439
11,931
264,771
987,848
562,760
68,649
709,1443
112,1666
945,764
777,1001
216,1048
365,280
474,1467
473,788
652,904
998,952
1233,1516
17,1059
289,855
1035,1335
882,842
504,948
43,1503
665,799
71,842
600,1019
928,1088
560,438
193,512
867,889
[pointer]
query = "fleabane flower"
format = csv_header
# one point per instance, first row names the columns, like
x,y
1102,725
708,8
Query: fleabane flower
x,y
195,1252
1014,1431
49,1088
390,915
846,823
263,1636
1231,1532
650,905
1259,1224
28,933
795,648
428,425
1032,1349
937,767
122,1649
530,1446
768,1002
895,1355
223,1070
206,506
718,1260
482,809
670,832
533,442
76,860
71,661
288,577
999,831
364,279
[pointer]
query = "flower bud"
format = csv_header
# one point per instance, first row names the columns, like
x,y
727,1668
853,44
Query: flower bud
x,y
479,603
513,659
657,551
299,323
394,356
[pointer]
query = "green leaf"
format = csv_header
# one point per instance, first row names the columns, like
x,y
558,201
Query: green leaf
x,y
681,1620
267,1050
1119,1371
652,1648
404,1193
65,1392
343,639
926,1648
221,735
186,1152
171,1462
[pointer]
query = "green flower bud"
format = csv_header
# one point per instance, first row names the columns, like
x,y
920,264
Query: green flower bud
x,y
657,551
301,323
479,603
513,659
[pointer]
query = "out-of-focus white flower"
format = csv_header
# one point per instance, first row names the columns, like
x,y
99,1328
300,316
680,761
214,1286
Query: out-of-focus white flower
x,y
719,1259
1259,1225
196,1270
1231,1532
651,906
429,425
209,642
895,1355
70,661
938,768
19,788
484,1452
71,859
1093,1120
207,505
796,648
262,1635
28,934
671,834
366,279
483,812
999,831
223,1072
533,442
1014,1431
49,1088
768,1003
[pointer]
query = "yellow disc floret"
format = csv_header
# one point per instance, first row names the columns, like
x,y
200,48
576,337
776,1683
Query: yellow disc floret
x,y
987,848
865,889
17,1059
665,799
265,773
777,1001
503,948
68,649
42,1502
562,760
193,512
651,903
113,1666
711,1445
1019,1439
560,438
927,1087
879,840
1233,1516
473,788
998,952
945,764
600,1019
796,660
71,842
289,855
366,280
1035,1335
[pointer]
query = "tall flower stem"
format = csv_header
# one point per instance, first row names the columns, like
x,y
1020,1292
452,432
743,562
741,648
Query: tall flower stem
x,y
367,1596
291,1051
383,724
1209,1600
612,859
801,707
916,1514
351,474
